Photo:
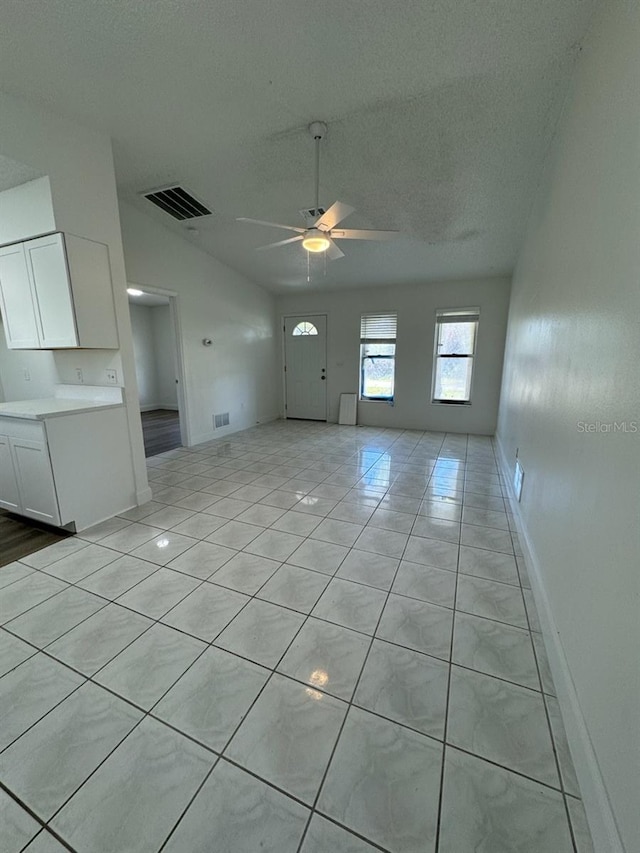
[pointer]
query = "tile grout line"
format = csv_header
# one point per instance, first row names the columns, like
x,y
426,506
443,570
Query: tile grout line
x,y
438,826
34,816
350,704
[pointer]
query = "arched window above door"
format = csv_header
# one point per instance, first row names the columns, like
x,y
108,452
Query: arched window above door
x,y
304,328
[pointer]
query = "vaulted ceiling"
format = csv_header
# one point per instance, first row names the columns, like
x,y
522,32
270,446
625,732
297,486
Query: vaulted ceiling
x,y
439,111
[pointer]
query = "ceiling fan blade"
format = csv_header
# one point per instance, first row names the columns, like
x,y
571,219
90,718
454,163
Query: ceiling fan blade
x,y
333,252
361,234
279,243
271,224
336,213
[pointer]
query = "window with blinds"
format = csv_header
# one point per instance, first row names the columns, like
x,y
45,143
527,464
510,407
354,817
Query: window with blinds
x,y
455,348
378,356
378,327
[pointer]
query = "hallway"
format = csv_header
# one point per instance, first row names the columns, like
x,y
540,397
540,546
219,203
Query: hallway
x,y
160,431
315,638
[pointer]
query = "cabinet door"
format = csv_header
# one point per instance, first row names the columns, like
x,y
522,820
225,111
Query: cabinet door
x,y
16,302
52,292
35,480
9,498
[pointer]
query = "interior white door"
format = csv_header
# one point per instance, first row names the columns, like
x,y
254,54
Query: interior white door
x,y
16,302
305,355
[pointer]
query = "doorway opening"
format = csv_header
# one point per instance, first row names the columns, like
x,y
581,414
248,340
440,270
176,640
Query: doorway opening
x,y
158,361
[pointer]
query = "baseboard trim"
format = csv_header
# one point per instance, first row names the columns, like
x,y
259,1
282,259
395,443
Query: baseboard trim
x,y
268,419
152,407
144,496
224,432
600,816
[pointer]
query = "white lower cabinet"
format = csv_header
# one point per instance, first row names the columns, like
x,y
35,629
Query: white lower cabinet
x,y
71,471
35,480
26,477
9,496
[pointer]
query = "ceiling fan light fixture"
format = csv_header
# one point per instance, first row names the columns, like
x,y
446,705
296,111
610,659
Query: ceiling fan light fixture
x,y
315,241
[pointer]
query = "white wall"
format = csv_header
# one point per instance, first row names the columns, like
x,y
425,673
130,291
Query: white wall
x,y
572,357
154,345
416,306
164,344
16,365
145,355
26,210
79,165
238,374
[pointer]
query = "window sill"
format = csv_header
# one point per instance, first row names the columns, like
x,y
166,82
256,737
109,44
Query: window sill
x,y
370,400
451,402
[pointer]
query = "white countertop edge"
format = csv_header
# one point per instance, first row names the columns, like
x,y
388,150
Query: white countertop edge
x,y
52,407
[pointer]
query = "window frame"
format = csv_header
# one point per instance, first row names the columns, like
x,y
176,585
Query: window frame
x,y
446,316
392,319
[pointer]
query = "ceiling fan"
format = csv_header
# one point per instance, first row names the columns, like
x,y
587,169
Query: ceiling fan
x,y
320,235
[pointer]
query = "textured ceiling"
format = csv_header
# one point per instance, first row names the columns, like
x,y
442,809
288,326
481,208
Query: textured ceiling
x,y
12,173
439,112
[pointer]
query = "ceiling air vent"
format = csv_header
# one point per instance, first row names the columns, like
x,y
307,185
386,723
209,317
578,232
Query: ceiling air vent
x,y
310,214
177,202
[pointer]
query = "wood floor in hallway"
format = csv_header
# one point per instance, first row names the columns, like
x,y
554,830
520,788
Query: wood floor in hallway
x,y
20,537
161,431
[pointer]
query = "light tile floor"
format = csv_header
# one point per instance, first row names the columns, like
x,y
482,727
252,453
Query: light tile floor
x,y
314,638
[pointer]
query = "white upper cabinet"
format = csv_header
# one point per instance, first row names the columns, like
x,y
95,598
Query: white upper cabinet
x,y
51,292
55,293
16,303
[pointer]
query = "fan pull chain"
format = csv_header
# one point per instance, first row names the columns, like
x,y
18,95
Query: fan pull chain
x,y
308,267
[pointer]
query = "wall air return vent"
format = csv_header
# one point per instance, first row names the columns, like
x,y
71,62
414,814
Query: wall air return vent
x,y
221,420
177,202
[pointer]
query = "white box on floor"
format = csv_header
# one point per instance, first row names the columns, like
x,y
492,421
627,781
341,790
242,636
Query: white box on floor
x,y
348,409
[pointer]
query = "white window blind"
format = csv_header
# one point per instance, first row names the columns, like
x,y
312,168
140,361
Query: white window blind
x,y
457,315
378,327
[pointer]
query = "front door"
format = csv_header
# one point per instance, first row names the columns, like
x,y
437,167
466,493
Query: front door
x,y
305,353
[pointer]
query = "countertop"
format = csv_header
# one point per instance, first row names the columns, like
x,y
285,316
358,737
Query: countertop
x,y
51,407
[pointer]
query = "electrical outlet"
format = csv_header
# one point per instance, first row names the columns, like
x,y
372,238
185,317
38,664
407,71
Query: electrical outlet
x,y
27,375
79,374
112,376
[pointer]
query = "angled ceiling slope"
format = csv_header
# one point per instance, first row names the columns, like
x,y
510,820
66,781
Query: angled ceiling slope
x,y
439,117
